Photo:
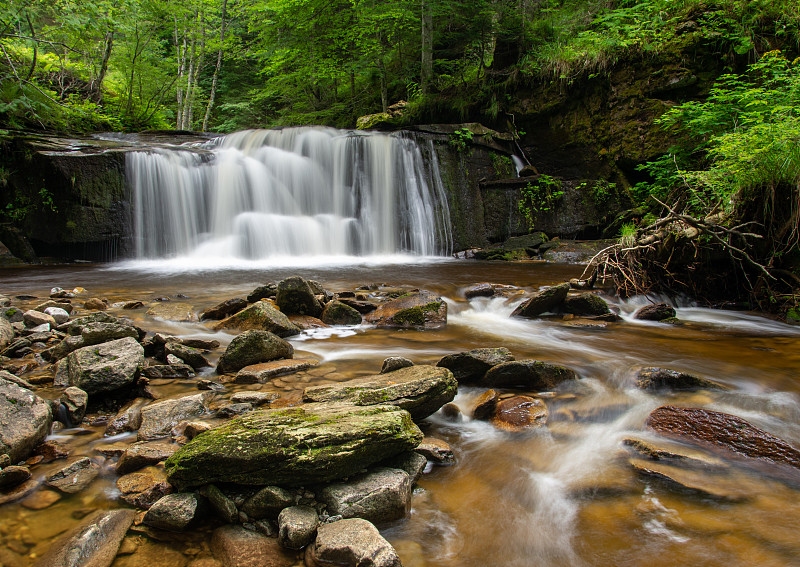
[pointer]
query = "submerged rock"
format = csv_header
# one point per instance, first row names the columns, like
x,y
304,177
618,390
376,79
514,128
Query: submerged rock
x,y
94,543
419,310
261,316
666,379
25,420
529,374
421,390
236,546
722,431
354,543
106,367
296,446
542,302
144,488
253,347
471,366
713,485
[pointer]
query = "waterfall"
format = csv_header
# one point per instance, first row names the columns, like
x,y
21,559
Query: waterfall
x,y
306,191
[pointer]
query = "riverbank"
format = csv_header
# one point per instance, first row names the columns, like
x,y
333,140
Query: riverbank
x,y
577,446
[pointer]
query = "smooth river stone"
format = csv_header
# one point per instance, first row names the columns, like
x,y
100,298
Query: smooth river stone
x,y
296,446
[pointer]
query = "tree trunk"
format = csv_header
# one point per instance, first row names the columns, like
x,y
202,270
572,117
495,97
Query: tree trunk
x,y
426,72
217,68
98,84
180,46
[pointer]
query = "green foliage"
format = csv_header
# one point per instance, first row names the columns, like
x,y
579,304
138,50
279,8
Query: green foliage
x,y
627,234
461,138
503,165
539,197
18,210
743,143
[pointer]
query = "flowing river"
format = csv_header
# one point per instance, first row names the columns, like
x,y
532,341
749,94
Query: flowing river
x,y
561,495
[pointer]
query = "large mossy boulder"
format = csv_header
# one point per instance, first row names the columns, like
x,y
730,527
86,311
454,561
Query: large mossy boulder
x,y
338,313
106,367
544,301
586,304
295,296
253,347
261,316
420,390
416,310
25,420
309,444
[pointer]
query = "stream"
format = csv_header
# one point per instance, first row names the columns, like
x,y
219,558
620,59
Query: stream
x,y
561,495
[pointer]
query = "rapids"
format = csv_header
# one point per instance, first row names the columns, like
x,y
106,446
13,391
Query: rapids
x,y
563,495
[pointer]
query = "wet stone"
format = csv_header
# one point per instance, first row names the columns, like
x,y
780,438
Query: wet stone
x,y
13,476
254,398
265,371
297,526
519,413
74,477
221,504
393,363
666,379
437,451
144,454
268,502
483,407
471,366
238,547
174,512
143,488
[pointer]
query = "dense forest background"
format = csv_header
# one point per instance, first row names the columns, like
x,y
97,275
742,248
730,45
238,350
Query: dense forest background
x,y
223,65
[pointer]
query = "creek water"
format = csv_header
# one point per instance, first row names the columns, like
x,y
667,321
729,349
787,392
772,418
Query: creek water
x,y
564,494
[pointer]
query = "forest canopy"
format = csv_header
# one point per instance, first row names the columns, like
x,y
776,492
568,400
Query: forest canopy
x,y
223,65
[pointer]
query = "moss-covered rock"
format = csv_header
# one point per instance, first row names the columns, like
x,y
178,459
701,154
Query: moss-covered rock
x,y
419,310
420,390
338,313
295,296
252,347
542,302
471,366
296,446
586,304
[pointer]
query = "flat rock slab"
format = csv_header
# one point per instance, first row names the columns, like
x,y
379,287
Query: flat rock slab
x,y
420,390
159,418
74,477
144,454
144,488
296,446
420,310
235,546
172,311
265,371
722,431
106,367
94,543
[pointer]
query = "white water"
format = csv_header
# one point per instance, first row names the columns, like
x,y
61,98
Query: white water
x,y
310,193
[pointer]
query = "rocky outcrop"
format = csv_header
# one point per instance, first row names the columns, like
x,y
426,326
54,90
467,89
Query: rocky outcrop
x,y
261,316
106,367
418,310
420,390
542,302
529,374
471,366
353,542
95,541
294,446
25,420
722,431
253,347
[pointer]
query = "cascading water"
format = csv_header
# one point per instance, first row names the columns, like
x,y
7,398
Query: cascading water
x,y
286,193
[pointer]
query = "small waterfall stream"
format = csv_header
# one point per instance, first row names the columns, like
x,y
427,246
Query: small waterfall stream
x,y
315,192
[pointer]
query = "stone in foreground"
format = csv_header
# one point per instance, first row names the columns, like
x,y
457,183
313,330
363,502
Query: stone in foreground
x,y
174,512
236,546
261,316
421,390
421,310
25,420
296,446
94,543
351,543
297,526
381,495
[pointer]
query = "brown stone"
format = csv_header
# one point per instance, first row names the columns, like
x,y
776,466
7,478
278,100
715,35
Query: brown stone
x,y
95,304
421,310
260,373
436,451
722,431
144,488
520,413
306,322
41,500
238,547
484,406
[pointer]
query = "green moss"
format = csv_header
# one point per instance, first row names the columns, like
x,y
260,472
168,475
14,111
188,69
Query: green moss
x,y
415,316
